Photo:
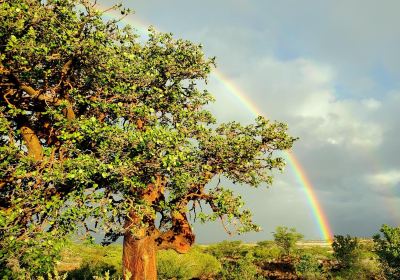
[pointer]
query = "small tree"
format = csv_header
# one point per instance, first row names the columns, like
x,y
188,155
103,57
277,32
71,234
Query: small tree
x,y
286,239
345,250
97,126
387,247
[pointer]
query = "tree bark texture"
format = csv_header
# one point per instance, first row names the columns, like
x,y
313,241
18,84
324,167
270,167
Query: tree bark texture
x,y
141,244
139,258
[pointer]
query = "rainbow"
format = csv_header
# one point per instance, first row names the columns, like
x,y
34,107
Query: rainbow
x,y
301,176
299,171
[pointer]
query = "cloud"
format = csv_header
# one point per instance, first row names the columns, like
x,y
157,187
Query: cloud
x,y
371,104
302,92
388,178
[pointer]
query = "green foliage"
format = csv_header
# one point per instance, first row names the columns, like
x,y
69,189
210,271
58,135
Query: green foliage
x,y
193,264
387,247
225,260
286,239
236,258
266,252
54,276
229,249
362,271
320,252
36,258
308,267
91,118
84,261
89,270
346,250
242,268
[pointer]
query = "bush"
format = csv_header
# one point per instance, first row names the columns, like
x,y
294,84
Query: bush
x,y
387,248
32,257
346,250
229,249
308,267
286,239
266,252
242,268
361,271
193,264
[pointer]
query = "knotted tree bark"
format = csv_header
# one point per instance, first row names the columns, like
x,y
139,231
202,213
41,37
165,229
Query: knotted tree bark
x,y
139,258
142,242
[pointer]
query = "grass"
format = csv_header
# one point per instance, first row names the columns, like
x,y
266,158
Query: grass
x,y
86,261
83,261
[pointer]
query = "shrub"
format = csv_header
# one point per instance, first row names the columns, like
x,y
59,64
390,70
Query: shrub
x,y
360,271
193,264
387,248
230,249
308,267
266,252
37,255
346,250
286,239
241,268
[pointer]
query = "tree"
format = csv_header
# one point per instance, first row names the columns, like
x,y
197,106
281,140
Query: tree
x,y
286,238
387,248
102,132
346,250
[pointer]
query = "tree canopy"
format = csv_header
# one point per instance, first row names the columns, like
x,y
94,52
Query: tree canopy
x,y
102,131
286,239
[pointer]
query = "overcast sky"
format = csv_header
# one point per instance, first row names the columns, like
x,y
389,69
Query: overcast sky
x,y
327,68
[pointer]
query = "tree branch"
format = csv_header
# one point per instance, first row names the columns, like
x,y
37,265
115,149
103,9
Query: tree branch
x,y
180,237
69,113
32,142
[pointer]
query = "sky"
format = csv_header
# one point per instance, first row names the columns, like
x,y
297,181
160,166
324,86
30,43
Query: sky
x,y
326,68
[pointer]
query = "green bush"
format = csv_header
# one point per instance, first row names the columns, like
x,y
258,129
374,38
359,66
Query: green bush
x,y
360,271
286,239
193,264
387,248
37,255
308,267
346,250
241,268
266,252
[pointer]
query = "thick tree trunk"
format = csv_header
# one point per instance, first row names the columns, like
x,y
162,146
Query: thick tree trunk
x,y
139,258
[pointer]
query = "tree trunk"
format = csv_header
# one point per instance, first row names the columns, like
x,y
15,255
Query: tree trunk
x,y
139,258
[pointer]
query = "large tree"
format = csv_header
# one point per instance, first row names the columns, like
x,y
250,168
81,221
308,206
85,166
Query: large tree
x,y
102,131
